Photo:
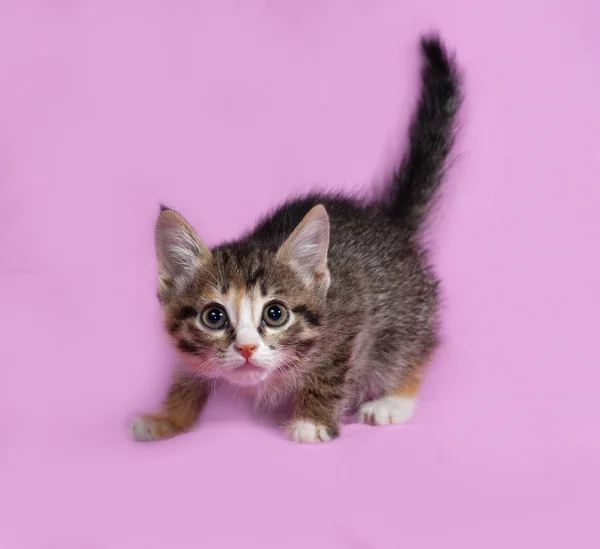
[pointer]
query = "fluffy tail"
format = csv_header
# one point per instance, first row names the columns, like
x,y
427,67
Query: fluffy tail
x,y
432,130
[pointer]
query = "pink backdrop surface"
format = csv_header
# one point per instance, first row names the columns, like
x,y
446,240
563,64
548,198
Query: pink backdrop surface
x,y
222,109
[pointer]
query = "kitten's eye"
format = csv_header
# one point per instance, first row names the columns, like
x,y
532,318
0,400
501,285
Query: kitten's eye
x,y
275,315
214,317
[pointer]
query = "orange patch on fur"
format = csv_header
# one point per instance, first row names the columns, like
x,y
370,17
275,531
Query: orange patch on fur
x,y
181,408
237,295
411,383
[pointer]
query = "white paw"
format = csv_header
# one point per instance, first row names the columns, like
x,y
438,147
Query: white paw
x,y
152,427
142,429
386,410
307,431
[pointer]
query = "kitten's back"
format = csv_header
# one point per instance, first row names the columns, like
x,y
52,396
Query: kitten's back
x,y
409,193
383,292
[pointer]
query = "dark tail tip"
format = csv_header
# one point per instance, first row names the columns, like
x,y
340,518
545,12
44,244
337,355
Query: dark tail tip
x,y
439,72
431,136
435,53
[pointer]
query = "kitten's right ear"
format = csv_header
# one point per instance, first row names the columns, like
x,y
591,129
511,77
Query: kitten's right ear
x,y
306,248
179,250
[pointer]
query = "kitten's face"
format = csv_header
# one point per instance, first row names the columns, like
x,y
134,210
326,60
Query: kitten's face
x,y
243,313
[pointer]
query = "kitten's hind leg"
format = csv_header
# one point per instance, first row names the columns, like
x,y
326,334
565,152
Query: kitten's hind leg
x,y
397,406
185,400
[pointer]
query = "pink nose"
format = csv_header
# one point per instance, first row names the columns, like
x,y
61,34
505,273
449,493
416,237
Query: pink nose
x,y
246,350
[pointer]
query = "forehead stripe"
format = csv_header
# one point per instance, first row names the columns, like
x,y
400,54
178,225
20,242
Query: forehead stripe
x,y
255,275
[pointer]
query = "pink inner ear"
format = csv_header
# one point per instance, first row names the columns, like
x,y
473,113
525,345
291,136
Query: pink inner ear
x,y
179,249
306,248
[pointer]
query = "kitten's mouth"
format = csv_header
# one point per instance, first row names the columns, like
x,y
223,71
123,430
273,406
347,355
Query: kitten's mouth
x,y
249,367
248,374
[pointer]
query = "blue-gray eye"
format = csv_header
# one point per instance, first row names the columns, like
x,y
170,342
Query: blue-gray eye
x,y
214,317
275,315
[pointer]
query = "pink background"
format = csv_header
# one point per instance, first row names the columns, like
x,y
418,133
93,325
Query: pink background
x,y
222,109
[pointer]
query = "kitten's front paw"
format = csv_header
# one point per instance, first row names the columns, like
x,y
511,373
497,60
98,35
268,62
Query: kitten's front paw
x,y
302,430
386,410
152,427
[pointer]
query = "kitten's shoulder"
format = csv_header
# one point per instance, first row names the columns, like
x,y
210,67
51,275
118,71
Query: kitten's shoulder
x,y
284,218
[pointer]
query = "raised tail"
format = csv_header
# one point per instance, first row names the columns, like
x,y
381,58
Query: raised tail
x,y
414,184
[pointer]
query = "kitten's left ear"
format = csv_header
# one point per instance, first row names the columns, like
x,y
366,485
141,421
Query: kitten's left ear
x,y
306,248
179,250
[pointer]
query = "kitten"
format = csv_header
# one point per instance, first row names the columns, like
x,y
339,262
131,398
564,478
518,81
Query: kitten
x,y
337,315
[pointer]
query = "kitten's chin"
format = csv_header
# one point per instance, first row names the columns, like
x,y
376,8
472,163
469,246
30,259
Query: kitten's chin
x,y
246,375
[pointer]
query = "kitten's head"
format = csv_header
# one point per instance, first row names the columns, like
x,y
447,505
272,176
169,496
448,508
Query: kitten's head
x,y
248,311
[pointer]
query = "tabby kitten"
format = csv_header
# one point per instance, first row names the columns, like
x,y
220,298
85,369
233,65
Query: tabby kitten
x,y
337,315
